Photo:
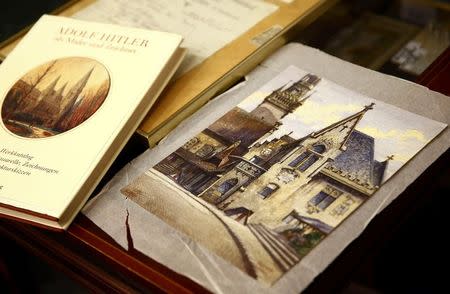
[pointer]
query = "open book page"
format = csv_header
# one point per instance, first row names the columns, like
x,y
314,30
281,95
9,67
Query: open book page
x,y
267,184
205,25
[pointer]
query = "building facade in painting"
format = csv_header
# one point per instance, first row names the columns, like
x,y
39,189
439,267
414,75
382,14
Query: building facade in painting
x,y
319,179
289,192
200,162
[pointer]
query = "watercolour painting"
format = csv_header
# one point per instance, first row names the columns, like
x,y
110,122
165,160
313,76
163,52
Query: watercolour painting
x,y
55,97
269,180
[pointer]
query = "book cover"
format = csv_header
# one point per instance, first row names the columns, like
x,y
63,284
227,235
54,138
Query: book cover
x,y
72,92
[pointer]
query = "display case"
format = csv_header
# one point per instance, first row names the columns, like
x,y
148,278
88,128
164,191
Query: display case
x,y
401,38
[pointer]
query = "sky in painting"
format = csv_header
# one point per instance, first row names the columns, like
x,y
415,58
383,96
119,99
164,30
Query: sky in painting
x,y
70,70
396,132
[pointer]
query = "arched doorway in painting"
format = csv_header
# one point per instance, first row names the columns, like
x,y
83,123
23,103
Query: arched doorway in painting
x,y
239,214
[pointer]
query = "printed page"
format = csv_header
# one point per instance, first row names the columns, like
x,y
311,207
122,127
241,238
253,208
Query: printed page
x,y
206,25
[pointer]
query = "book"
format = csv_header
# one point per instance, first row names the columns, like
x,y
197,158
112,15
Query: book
x,y
265,185
72,94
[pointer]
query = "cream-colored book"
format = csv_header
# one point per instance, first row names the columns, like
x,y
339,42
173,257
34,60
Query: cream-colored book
x,y
72,92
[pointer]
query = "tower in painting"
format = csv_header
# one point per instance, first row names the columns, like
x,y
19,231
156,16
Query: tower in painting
x,y
198,164
285,99
48,107
40,101
70,100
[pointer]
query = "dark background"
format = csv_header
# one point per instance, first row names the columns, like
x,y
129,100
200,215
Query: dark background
x,y
15,15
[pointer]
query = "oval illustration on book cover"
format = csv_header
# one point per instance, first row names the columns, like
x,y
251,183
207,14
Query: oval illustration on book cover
x,y
55,97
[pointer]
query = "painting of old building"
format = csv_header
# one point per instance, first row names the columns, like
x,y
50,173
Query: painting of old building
x,y
278,173
272,179
198,163
55,97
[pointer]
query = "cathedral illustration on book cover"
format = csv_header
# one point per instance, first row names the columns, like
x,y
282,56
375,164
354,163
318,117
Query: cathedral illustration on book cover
x,y
266,183
55,97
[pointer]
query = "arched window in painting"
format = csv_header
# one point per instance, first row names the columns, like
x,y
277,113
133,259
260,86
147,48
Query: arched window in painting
x,y
256,159
227,185
307,158
299,159
324,198
320,148
307,163
268,190
191,143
